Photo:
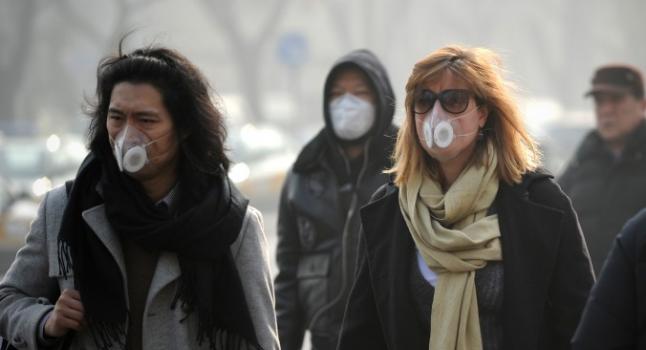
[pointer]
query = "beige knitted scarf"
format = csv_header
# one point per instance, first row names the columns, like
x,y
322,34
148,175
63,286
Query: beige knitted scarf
x,y
456,238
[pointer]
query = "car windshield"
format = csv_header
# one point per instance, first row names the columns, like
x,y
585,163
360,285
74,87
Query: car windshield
x,y
29,158
22,160
4,196
251,144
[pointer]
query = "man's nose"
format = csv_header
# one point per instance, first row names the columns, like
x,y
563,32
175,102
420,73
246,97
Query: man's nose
x,y
130,120
605,106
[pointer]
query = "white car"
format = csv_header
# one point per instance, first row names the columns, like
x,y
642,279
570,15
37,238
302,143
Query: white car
x,y
34,165
29,167
261,156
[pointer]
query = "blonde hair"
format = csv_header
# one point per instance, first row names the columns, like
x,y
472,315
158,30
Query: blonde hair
x,y
517,151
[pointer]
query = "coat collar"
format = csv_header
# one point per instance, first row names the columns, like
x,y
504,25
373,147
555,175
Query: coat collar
x,y
97,220
593,146
167,269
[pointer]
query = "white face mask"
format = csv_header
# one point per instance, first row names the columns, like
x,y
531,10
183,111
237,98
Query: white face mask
x,y
130,148
441,128
351,116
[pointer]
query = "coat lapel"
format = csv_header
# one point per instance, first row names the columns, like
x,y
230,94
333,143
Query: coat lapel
x,y
97,220
319,200
167,271
389,250
530,241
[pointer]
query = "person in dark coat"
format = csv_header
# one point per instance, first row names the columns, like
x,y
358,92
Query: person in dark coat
x,y
615,315
471,246
605,178
318,218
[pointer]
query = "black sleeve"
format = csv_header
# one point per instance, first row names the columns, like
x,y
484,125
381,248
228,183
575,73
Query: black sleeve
x,y
289,313
573,275
361,328
610,317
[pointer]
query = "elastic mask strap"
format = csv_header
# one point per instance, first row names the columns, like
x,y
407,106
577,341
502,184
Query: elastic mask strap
x,y
153,141
463,115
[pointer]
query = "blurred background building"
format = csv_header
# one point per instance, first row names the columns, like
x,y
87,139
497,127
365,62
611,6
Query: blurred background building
x,y
267,61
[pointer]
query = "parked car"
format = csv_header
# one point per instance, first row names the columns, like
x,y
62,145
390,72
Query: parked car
x,y
32,165
5,202
261,156
29,167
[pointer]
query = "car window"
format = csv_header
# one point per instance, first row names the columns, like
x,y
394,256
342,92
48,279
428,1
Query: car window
x,y
250,143
22,160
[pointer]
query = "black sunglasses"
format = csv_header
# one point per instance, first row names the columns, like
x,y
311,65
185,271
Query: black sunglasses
x,y
453,101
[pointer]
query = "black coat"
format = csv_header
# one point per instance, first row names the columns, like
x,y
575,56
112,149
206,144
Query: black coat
x,y
605,191
546,267
615,315
318,219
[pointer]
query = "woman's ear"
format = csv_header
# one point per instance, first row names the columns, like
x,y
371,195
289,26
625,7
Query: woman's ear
x,y
483,116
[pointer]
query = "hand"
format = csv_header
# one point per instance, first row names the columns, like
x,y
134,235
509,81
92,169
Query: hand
x,y
68,314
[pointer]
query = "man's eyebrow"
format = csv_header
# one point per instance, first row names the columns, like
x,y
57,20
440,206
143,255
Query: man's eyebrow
x,y
147,113
150,112
115,110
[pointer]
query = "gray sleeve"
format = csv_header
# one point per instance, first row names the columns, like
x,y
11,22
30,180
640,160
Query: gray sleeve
x,y
252,260
44,340
26,285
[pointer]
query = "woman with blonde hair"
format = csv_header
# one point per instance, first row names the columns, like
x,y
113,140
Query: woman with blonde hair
x,y
471,246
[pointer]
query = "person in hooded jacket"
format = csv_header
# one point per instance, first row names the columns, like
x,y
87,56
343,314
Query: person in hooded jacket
x,y
333,176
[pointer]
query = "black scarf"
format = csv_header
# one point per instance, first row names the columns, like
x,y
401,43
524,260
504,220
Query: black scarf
x,y
200,233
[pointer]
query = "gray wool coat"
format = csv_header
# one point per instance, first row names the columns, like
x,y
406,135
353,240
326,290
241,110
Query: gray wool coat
x,y
26,290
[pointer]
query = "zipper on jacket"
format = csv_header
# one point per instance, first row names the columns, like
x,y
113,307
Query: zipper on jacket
x,y
345,236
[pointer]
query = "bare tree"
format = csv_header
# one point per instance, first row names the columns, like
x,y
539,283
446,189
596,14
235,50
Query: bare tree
x,y
124,10
66,23
248,52
16,41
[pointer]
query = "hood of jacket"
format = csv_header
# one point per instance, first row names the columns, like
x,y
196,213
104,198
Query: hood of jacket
x,y
383,134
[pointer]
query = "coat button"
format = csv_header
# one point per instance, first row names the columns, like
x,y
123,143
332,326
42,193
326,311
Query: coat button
x,y
18,341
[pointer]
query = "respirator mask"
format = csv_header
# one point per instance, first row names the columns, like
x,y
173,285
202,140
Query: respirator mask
x,y
351,116
131,149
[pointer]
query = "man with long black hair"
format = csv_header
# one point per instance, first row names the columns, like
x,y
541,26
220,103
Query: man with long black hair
x,y
151,246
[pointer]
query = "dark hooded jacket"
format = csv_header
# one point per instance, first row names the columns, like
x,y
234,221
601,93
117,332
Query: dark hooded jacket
x,y
605,190
318,219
